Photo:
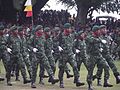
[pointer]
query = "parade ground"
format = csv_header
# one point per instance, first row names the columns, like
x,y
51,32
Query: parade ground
x,y
68,82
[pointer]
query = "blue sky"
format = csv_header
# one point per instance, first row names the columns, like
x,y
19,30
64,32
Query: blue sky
x,y
53,5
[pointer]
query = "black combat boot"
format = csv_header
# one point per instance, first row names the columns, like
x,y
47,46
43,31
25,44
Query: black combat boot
x,y
61,84
9,82
68,74
2,79
78,83
17,78
90,86
33,85
117,79
41,81
99,82
26,81
106,84
53,80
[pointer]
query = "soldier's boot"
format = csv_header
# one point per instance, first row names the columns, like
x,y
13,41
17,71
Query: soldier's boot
x,y
99,82
68,74
41,81
61,84
2,79
90,86
17,78
53,80
117,79
94,77
33,85
78,83
26,81
9,82
106,84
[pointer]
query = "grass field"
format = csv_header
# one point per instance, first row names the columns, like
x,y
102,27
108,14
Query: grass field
x,y
68,82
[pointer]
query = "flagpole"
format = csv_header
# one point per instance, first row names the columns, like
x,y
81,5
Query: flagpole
x,y
32,16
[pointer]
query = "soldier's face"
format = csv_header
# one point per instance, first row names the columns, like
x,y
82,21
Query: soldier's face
x,y
41,30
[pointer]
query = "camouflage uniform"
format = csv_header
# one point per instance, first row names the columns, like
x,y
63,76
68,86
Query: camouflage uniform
x,y
36,44
80,50
24,50
95,57
106,54
48,48
15,44
56,52
68,56
4,55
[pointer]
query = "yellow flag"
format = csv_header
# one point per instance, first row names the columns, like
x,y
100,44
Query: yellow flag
x,y
28,8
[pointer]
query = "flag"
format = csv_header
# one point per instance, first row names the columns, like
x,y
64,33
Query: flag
x,y
29,14
28,3
28,8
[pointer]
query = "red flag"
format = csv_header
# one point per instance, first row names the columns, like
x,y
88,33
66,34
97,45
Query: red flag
x,y
29,14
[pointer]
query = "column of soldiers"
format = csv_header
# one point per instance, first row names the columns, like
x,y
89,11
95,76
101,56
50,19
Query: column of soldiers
x,y
46,46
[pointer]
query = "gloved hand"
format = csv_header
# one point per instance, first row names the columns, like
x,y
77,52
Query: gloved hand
x,y
9,50
35,49
60,48
104,41
77,51
52,51
101,49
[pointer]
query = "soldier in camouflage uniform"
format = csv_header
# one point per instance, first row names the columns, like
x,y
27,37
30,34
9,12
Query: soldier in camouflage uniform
x,y
93,44
80,49
4,55
56,52
68,56
48,51
117,40
24,50
15,45
107,56
36,44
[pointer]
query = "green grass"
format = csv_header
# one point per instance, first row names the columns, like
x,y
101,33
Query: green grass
x,y
68,82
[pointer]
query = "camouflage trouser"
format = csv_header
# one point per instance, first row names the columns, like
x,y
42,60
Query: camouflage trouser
x,y
19,59
92,61
110,62
68,59
27,62
51,60
57,57
4,55
37,58
80,59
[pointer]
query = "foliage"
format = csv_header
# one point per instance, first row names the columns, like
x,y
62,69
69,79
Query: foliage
x,y
103,5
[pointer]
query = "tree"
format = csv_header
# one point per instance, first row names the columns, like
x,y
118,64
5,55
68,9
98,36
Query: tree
x,y
86,7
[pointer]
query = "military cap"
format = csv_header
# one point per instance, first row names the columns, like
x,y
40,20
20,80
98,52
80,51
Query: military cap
x,y
95,28
38,27
13,28
46,29
67,25
20,28
102,26
1,27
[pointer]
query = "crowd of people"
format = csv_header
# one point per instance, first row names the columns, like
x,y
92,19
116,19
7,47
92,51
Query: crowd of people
x,y
24,46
